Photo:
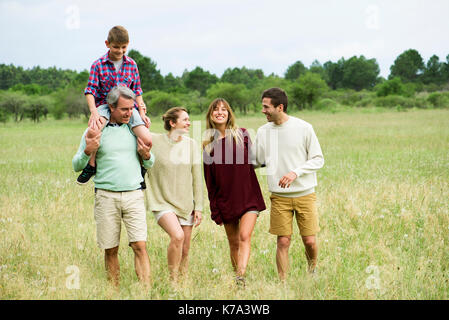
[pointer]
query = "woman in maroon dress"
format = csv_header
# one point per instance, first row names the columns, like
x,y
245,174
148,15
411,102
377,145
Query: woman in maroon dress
x,y
234,192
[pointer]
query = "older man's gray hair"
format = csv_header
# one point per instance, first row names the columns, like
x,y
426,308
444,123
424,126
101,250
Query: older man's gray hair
x,y
117,92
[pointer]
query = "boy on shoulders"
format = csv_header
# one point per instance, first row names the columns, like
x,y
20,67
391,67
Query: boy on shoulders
x,y
114,69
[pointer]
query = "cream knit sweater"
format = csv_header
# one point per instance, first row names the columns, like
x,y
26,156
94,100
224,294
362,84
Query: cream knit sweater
x,y
175,181
291,146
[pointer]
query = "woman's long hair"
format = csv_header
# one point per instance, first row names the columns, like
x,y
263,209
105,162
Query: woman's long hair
x,y
232,128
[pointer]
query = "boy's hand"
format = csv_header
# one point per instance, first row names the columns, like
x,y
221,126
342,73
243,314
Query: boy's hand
x,y
92,141
143,112
94,121
143,149
147,121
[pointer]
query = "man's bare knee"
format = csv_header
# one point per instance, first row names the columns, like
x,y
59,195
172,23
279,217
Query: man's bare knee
x,y
112,252
138,247
283,242
309,241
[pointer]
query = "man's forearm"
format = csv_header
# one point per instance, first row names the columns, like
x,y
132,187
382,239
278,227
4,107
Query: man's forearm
x,y
80,159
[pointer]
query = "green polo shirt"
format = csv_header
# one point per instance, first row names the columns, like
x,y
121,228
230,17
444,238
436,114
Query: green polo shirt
x,y
118,166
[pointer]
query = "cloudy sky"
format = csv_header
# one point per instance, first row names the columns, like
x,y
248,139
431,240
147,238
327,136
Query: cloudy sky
x,y
215,35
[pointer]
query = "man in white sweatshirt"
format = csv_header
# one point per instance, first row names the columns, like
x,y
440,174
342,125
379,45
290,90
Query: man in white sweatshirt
x,y
290,150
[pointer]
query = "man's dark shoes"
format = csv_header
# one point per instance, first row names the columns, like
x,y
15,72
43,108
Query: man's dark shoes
x,y
87,173
143,185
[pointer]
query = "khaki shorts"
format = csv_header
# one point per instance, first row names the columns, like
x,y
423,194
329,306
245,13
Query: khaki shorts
x,y
283,209
113,207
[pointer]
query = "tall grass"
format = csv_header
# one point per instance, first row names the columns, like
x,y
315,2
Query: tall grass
x,y
383,202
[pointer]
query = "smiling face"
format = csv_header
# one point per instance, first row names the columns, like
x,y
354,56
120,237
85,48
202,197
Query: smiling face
x,y
219,115
182,124
123,111
116,50
272,113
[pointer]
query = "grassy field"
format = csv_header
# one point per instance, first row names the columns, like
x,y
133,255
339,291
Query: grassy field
x,y
384,214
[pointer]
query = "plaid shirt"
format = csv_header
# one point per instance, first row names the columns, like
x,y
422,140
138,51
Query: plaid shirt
x,y
103,77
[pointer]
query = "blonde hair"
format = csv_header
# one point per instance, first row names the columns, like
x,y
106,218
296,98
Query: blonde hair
x,y
232,129
171,114
118,34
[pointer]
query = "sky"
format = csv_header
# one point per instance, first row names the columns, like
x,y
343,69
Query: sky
x,y
216,35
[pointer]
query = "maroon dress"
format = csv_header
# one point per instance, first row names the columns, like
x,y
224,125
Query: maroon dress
x,y
231,182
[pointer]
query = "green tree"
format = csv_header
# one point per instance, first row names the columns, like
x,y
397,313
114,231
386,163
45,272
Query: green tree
x,y
235,94
439,99
173,84
194,102
409,66
31,89
316,67
248,77
150,76
52,77
4,114
80,80
434,71
36,107
446,69
161,102
295,70
9,76
390,87
360,73
14,103
75,103
199,79
307,91
334,73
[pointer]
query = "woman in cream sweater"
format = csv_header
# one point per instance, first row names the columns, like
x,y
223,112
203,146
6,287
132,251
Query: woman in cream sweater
x,y
174,192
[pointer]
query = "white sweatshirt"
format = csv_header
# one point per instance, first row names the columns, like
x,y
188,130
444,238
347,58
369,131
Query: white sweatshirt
x,y
291,146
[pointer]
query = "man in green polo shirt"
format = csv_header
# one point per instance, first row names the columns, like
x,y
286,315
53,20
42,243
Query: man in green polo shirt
x,y
117,181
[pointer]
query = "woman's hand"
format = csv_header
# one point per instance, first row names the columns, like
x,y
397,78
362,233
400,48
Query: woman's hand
x,y
197,218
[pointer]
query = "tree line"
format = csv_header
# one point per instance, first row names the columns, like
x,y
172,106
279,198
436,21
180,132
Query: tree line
x,y
34,93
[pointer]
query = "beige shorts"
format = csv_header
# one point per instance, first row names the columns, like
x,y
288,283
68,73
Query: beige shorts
x,y
283,209
182,221
113,207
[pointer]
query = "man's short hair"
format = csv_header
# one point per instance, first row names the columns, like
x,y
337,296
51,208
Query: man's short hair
x,y
117,92
118,34
277,96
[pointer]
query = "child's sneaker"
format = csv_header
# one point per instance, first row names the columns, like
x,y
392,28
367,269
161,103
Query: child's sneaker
x,y
87,173
143,185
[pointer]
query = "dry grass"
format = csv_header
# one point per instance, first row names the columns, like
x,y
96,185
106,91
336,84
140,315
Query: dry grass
x,y
383,201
